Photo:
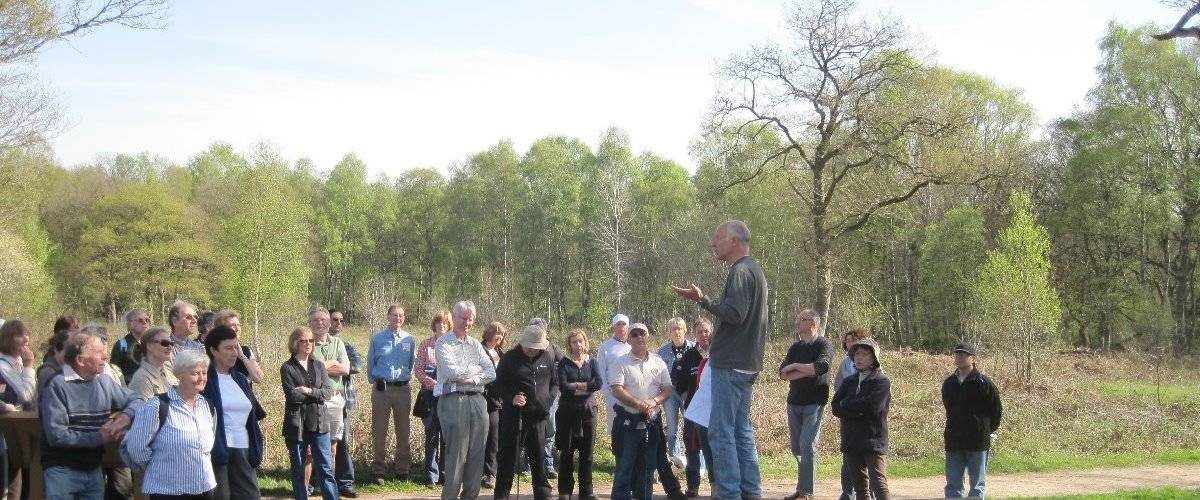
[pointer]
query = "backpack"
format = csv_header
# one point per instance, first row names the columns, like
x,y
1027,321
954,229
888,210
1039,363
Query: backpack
x,y
164,406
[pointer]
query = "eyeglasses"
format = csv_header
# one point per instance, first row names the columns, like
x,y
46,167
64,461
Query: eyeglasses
x,y
163,342
638,333
305,341
335,320
142,320
189,316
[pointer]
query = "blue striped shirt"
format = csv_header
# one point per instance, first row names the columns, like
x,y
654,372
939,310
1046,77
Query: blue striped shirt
x,y
391,356
179,460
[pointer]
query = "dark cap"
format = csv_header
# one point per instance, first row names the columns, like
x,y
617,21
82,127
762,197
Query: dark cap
x,y
965,347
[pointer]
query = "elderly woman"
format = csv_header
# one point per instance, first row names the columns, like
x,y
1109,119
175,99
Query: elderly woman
x,y
306,388
16,388
238,449
247,362
154,376
175,445
578,381
493,345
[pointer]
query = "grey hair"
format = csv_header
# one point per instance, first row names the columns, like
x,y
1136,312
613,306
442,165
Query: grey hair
x,y
131,313
177,307
462,306
317,309
677,321
96,329
738,230
539,321
187,360
78,341
816,315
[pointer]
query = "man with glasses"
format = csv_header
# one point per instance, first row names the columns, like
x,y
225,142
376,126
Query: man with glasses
x,y
137,321
390,359
343,465
182,317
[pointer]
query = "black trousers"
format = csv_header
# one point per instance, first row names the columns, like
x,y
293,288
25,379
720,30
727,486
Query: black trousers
x,y
490,449
518,434
568,445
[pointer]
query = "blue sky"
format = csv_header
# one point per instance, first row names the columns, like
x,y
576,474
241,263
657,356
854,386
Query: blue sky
x,y
424,84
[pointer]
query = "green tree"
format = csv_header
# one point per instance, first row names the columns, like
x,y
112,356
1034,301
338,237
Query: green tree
x,y
1016,308
344,244
950,256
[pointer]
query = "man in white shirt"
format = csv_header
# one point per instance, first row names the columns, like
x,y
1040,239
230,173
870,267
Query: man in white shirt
x,y
606,356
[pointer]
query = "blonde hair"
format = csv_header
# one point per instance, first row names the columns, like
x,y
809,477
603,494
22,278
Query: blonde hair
x,y
443,317
579,332
294,338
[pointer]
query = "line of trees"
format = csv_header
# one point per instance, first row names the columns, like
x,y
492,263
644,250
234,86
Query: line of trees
x,y
885,191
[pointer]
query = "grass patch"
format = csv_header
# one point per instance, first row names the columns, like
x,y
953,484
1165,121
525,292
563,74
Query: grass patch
x,y
1169,393
1168,493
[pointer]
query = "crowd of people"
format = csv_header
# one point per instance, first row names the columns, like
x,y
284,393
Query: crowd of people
x,y
179,403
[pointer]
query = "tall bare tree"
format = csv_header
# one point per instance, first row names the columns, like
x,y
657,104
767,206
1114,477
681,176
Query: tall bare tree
x,y
1181,29
840,106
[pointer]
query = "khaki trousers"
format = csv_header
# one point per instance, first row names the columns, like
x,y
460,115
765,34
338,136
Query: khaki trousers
x,y
396,401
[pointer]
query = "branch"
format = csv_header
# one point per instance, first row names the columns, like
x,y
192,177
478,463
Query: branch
x,y
1179,31
865,216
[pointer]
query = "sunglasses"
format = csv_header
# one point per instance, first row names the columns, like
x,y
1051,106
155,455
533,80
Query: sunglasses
x,y
638,333
305,341
163,342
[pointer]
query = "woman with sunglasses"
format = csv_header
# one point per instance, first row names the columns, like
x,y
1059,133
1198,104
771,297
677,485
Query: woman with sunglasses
x,y
306,388
155,352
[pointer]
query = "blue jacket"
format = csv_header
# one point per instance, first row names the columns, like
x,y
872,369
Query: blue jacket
x,y
212,392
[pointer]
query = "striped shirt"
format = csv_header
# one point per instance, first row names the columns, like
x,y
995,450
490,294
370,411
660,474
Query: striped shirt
x,y
178,459
462,365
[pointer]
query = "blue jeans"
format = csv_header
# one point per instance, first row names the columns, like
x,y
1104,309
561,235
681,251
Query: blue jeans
x,y
343,463
804,428
673,409
548,452
730,435
974,464
635,451
65,483
322,466
434,450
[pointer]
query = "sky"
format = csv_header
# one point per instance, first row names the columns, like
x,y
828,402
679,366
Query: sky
x,y
416,83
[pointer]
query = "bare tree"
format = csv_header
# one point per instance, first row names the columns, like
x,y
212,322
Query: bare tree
x,y
28,113
611,232
1180,30
827,107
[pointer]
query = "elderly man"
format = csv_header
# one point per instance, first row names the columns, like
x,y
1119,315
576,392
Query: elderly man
x,y
463,369
331,351
640,383
685,376
74,409
182,318
806,367
390,360
343,465
736,358
525,378
607,355
137,321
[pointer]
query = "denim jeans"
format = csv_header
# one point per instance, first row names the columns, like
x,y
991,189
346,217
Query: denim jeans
x,y
635,451
322,465
65,483
673,409
695,440
343,462
731,437
548,452
804,428
974,464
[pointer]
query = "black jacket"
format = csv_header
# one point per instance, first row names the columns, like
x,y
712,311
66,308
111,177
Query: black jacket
x,y
864,412
683,375
972,412
304,412
517,373
810,390
212,392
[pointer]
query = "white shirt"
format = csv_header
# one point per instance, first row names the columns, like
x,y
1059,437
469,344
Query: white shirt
x,y
641,379
235,408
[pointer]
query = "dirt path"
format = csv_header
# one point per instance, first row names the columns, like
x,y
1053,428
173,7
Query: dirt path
x,y
999,485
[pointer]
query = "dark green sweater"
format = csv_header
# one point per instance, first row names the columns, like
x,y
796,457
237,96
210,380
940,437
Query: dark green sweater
x,y
740,317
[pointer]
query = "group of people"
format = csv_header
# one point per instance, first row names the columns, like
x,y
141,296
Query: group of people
x,y
180,402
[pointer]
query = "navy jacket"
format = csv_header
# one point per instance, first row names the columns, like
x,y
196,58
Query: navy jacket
x,y
972,412
864,412
212,392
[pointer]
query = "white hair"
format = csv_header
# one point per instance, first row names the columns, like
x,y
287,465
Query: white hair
x,y
187,360
462,307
